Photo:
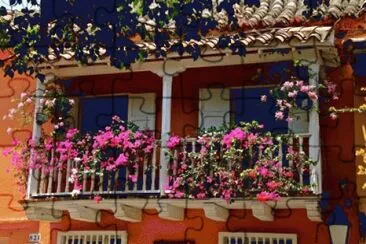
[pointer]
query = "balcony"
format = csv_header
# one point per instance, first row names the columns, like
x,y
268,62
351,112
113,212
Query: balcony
x,y
148,183
153,179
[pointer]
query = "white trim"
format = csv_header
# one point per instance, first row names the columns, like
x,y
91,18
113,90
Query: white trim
x,y
255,237
314,130
33,174
96,235
166,107
65,69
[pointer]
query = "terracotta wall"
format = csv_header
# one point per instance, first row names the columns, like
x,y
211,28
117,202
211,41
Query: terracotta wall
x,y
197,227
14,226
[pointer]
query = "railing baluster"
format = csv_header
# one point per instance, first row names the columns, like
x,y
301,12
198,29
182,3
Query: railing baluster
x,y
84,180
59,177
50,176
127,189
101,176
175,163
301,150
136,174
109,181
260,153
67,187
144,173
291,143
251,160
116,174
280,153
43,177
153,168
92,184
194,145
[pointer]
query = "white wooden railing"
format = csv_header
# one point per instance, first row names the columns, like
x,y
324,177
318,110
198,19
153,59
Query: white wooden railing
x,y
56,182
300,142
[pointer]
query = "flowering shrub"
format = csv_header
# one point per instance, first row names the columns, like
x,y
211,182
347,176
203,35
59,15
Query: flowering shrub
x,y
290,94
234,163
118,145
55,108
29,155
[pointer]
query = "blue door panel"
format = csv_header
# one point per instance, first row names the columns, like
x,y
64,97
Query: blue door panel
x,y
97,112
247,106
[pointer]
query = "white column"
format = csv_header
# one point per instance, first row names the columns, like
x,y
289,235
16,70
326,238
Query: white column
x,y
33,177
314,130
165,127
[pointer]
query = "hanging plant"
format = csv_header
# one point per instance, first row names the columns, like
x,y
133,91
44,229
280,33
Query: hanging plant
x,y
297,94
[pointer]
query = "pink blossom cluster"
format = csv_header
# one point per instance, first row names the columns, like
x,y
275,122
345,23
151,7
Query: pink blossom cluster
x,y
288,92
216,170
90,153
173,142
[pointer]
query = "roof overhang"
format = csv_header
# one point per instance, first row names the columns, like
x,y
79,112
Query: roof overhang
x,y
272,45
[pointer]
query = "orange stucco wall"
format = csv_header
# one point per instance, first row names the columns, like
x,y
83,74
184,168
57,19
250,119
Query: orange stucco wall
x,y
197,227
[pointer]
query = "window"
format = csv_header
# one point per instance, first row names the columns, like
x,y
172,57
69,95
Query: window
x,y
95,112
224,105
256,238
92,237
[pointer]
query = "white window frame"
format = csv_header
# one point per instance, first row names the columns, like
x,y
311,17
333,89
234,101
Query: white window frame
x,y
225,237
64,237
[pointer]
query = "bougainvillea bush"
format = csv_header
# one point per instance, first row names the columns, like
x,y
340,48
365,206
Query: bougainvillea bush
x,y
238,162
92,154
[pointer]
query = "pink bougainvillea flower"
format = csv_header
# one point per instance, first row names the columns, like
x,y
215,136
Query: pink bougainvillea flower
x,y
173,142
201,195
97,199
208,179
333,116
263,171
267,196
263,98
121,160
279,115
133,178
299,83
23,95
292,94
179,194
312,95
272,185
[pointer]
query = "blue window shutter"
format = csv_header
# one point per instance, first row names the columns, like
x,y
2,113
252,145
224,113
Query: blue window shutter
x,y
359,65
246,106
97,112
